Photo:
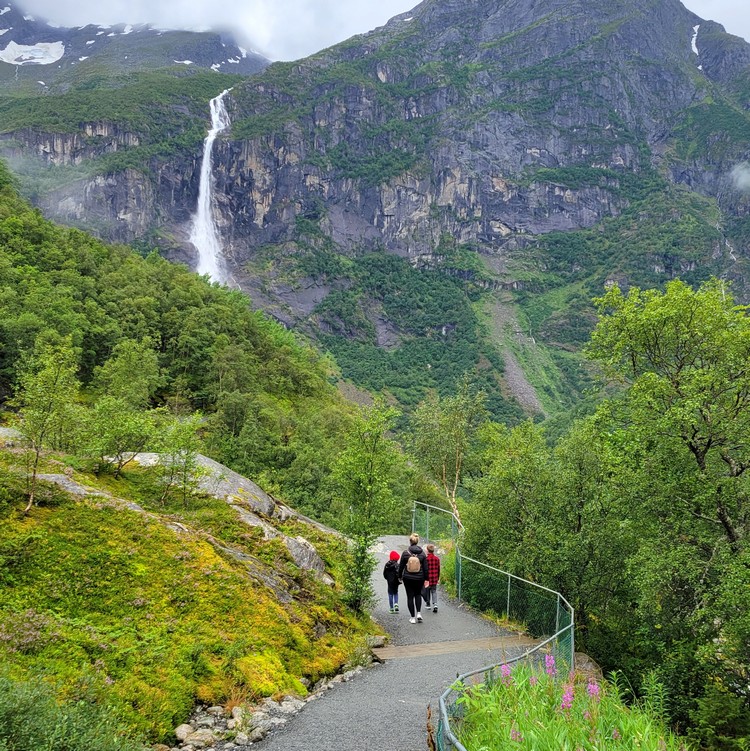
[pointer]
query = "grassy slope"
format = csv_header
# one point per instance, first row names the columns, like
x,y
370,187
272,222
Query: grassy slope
x,y
104,602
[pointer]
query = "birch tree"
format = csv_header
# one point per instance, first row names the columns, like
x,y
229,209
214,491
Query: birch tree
x,y
444,431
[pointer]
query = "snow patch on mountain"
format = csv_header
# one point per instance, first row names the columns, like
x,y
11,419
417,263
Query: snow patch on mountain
x,y
694,40
42,53
4,10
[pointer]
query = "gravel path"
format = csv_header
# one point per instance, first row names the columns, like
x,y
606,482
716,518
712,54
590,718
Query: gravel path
x,y
385,707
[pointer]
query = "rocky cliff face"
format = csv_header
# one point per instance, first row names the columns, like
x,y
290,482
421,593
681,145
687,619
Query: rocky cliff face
x,y
515,145
477,103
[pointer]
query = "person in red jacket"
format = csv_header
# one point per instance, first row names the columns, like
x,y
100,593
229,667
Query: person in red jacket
x,y
390,574
433,577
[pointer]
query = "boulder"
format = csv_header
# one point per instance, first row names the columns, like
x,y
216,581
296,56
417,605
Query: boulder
x,y
183,731
201,738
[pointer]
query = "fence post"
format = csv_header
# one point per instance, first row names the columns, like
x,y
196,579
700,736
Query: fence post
x,y
507,607
557,615
427,531
572,640
458,572
414,518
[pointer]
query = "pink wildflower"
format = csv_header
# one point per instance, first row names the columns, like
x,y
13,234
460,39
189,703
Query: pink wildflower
x,y
549,665
616,735
505,671
593,689
567,700
515,735
533,680
587,715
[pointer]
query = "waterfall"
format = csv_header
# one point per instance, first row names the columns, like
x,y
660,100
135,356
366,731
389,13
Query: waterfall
x,y
204,234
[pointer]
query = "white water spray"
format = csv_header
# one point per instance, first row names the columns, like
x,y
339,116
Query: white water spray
x,y
204,235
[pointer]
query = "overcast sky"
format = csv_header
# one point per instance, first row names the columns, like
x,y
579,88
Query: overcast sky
x,y
289,29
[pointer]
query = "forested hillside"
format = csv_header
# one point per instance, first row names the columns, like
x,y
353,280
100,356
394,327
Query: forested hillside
x,y
639,514
196,346
132,588
494,166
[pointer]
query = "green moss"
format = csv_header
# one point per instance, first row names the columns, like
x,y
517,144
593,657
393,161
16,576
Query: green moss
x,y
148,619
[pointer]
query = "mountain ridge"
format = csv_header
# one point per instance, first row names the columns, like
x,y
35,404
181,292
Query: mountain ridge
x,y
31,49
545,148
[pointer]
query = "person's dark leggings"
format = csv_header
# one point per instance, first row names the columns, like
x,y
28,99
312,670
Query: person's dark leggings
x,y
413,589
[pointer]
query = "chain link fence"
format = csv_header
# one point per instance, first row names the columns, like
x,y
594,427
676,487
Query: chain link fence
x,y
546,614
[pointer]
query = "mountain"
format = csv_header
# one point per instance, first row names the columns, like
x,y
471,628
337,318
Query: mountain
x,y
32,49
448,192
110,113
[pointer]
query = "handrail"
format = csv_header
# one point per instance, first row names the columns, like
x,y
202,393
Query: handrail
x,y
518,578
561,605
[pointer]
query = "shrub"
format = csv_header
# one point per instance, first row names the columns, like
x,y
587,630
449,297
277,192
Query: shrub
x,y
527,708
31,719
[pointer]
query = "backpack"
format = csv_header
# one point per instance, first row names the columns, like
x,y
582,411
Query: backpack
x,y
413,564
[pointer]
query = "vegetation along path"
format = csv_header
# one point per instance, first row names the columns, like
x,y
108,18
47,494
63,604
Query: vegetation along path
x,y
385,707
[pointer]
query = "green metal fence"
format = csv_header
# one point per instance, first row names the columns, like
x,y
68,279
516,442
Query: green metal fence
x,y
546,614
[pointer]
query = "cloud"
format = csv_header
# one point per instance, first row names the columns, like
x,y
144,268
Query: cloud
x,y
740,175
280,29
290,29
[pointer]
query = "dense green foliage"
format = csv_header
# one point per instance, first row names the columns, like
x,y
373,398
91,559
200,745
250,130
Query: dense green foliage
x,y
396,329
31,718
532,708
639,513
149,104
261,387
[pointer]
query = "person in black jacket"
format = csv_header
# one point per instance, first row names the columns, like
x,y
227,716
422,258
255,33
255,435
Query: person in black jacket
x,y
413,572
390,574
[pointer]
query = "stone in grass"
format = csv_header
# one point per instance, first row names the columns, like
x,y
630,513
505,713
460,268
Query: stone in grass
x,y
201,738
216,711
242,739
183,731
238,713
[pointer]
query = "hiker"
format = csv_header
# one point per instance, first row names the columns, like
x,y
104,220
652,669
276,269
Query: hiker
x,y
413,573
433,577
390,574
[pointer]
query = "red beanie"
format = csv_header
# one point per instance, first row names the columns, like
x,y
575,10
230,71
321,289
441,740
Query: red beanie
x,y
394,555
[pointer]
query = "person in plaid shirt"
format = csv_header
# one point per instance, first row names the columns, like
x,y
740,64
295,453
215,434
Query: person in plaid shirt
x,y
433,577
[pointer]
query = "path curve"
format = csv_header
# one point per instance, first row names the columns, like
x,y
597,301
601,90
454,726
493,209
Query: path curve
x,y
384,708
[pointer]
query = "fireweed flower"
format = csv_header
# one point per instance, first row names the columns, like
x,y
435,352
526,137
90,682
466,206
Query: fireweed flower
x,y
505,672
616,735
567,700
593,690
533,680
549,665
515,735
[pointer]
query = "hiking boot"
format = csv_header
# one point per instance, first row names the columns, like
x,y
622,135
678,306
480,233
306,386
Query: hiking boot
x,y
395,607
412,620
434,610
419,617
392,610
